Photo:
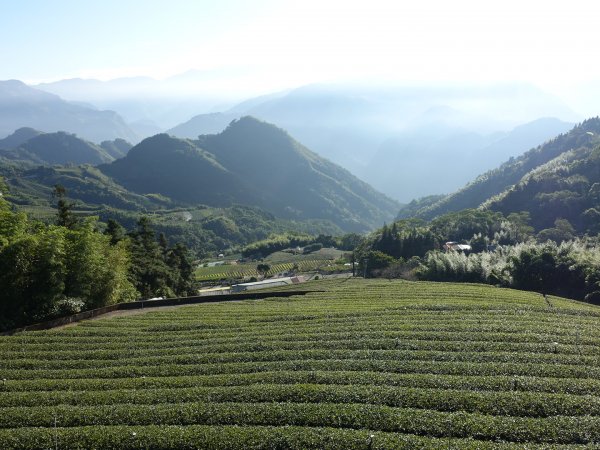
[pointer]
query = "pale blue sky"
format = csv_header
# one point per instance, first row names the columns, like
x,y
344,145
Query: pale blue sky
x,y
286,43
53,39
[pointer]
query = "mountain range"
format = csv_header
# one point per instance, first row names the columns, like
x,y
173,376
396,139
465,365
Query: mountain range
x,y
405,141
246,161
398,138
160,104
252,162
401,140
30,145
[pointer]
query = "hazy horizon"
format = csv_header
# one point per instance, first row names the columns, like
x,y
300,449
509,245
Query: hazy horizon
x,y
385,89
241,50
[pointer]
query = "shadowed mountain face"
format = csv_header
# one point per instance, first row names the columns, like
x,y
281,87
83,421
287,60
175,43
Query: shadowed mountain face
x,y
116,148
177,168
252,162
23,106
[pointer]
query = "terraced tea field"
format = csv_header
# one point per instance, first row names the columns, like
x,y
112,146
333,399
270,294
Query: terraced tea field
x,y
365,364
325,259
239,271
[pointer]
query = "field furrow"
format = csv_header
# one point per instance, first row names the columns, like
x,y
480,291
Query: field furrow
x,y
362,364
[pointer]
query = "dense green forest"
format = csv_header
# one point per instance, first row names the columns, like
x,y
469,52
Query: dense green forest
x,y
27,144
49,270
504,251
565,188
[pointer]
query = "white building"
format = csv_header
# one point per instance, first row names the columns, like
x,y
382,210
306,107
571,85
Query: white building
x,y
271,282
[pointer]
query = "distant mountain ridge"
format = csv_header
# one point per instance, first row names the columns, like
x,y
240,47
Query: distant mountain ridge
x,y
116,148
23,106
140,100
211,123
398,138
252,162
29,145
392,136
18,138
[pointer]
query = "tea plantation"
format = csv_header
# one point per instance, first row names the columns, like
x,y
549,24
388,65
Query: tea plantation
x,y
240,271
362,364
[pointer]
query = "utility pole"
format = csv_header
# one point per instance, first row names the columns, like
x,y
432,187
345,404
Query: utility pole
x,y
366,260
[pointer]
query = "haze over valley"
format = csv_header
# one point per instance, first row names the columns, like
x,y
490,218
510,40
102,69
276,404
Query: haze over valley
x,y
398,113
400,139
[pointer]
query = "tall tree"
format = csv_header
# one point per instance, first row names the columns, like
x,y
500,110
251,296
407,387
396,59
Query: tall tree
x,y
47,271
180,262
65,218
149,271
115,230
263,269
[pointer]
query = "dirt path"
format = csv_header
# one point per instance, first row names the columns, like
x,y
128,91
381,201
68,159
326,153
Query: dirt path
x,y
135,312
121,313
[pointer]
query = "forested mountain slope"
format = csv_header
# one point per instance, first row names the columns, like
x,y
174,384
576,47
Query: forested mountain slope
x,y
298,181
178,169
203,229
566,188
583,138
253,163
18,138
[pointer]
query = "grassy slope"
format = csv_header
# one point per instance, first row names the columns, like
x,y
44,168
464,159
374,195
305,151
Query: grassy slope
x,y
367,364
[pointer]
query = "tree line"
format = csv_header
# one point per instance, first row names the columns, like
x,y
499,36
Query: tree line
x,y
76,264
505,251
278,242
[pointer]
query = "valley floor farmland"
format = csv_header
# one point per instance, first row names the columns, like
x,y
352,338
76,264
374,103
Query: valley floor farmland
x,y
365,364
321,260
